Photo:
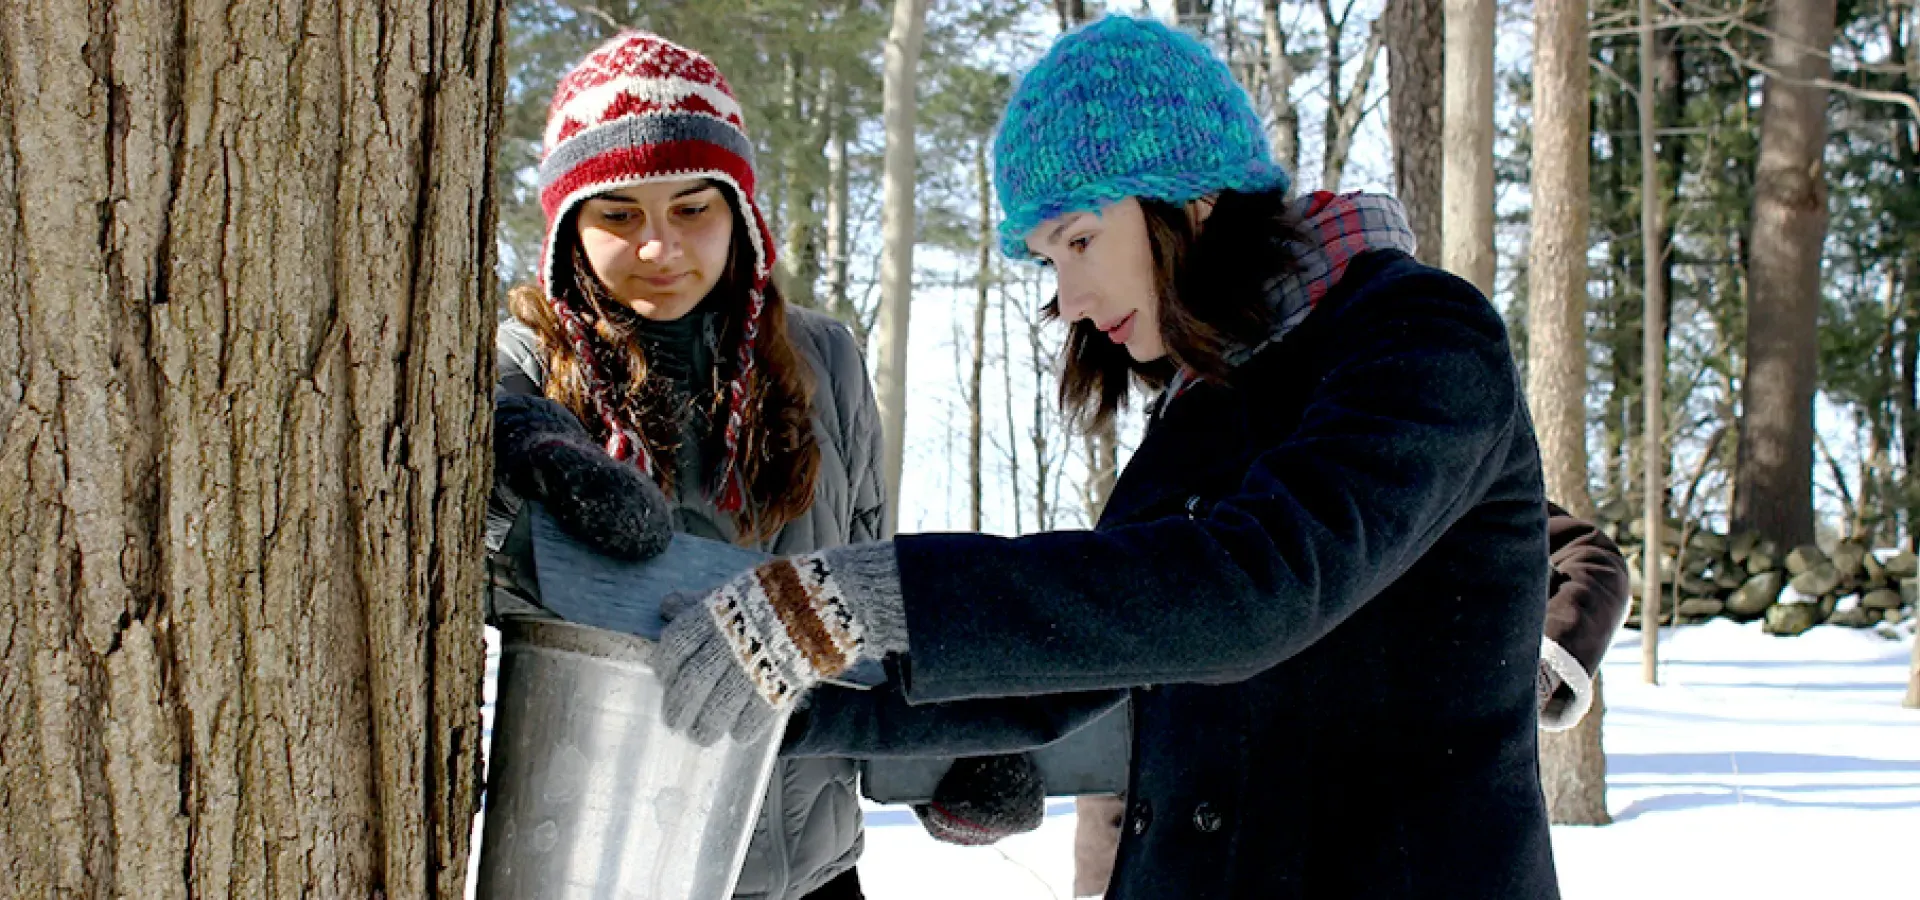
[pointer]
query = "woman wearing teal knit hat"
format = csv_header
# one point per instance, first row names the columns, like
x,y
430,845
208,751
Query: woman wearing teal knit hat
x,y
1318,580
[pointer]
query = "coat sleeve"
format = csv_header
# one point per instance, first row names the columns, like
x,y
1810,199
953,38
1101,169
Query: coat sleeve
x,y
879,723
1586,604
1400,438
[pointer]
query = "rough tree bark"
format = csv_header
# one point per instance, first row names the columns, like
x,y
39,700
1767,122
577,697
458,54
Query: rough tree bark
x,y
1775,468
1573,767
897,235
247,256
1416,65
1466,184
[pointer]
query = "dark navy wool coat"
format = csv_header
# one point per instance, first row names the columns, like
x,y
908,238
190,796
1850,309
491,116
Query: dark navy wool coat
x,y
1323,584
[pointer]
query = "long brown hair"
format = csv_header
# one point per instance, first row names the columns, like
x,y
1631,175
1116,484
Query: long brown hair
x,y
1208,282
779,458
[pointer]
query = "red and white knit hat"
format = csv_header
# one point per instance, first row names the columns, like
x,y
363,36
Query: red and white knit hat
x,y
642,109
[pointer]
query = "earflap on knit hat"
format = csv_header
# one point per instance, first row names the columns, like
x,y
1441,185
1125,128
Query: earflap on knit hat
x,y
1124,107
643,109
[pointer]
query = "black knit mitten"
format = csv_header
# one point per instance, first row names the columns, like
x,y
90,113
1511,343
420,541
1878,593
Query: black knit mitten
x,y
985,798
542,453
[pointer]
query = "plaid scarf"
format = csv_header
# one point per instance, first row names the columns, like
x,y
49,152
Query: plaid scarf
x,y
1341,227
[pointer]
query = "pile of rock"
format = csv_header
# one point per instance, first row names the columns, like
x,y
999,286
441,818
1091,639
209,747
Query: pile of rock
x,y
1744,577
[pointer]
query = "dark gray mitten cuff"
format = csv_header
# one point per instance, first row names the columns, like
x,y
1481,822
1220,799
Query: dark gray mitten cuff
x,y
985,798
542,453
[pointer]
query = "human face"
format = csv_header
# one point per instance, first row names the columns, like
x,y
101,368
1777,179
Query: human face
x,y
659,248
1103,267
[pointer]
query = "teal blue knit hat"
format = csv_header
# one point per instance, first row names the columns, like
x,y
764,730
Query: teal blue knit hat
x,y
1124,107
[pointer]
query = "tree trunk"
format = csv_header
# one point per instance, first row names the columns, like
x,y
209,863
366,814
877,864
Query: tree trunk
x,y
1071,12
1573,770
1573,766
1103,463
1653,347
1285,134
1775,494
976,396
1013,428
1466,184
1344,106
248,262
897,235
838,235
1416,66
1193,15
1557,272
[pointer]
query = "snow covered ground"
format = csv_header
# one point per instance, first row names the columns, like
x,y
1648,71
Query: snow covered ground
x,y
1761,767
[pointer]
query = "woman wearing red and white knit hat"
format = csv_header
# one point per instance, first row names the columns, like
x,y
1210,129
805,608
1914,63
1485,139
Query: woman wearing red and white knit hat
x,y
655,323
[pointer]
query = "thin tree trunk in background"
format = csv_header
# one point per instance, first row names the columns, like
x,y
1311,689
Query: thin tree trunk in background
x,y
1904,25
837,237
1466,187
1653,352
1194,15
1775,473
1013,429
1285,133
247,256
1071,12
976,396
1573,765
897,235
1345,105
1103,459
1416,98
799,259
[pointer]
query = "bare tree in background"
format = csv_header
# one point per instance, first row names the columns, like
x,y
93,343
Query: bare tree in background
x,y
1466,186
897,235
1416,85
1774,495
1347,104
248,261
983,281
1284,135
1573,766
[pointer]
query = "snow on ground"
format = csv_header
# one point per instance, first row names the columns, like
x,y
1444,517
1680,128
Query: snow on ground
x,y
1761,767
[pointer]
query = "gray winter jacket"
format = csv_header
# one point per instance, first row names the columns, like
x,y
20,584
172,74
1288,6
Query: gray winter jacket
x,y
809,829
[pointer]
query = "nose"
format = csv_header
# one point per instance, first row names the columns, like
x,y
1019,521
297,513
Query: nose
x,y
656,243
1076,301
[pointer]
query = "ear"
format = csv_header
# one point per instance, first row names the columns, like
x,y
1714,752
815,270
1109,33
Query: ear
x,y
1199,208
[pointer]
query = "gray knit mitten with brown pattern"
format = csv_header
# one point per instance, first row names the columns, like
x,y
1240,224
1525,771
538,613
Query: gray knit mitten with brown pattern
x,y
734,662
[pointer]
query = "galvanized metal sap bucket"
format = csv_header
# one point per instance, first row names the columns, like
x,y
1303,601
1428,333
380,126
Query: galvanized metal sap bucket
x,y
589,795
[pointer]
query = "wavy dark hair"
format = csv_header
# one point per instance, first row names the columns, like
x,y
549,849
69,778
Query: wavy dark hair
x,y
778,456
1209,280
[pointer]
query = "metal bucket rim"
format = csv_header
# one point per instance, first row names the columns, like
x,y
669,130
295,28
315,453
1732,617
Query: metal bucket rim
x,y
568,637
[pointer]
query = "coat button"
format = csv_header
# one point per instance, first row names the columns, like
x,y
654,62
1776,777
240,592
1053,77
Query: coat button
x,y
1142,817
1206,819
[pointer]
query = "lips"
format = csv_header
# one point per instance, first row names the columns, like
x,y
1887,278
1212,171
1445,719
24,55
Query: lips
x,y
661,281
1119,331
